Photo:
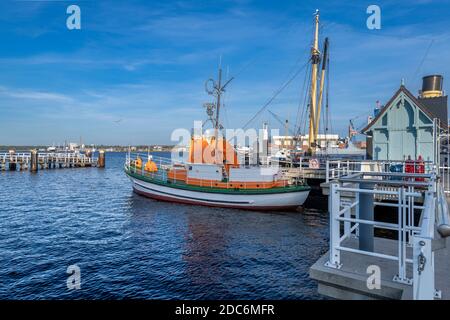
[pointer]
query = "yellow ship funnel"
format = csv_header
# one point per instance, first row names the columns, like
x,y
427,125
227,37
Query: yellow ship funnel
x,y
432,86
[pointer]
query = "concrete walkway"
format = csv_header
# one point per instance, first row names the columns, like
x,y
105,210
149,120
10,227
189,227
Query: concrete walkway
x,y
350,282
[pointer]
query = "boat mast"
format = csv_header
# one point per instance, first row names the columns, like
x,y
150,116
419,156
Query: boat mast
x,y
217,90
315,59
322,82
216,124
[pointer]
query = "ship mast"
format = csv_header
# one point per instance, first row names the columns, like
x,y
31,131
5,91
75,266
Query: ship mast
x,y
315,59
316,93
217,124
217,90
322,82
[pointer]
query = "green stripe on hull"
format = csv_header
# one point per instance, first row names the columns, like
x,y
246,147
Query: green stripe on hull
x,y
217,190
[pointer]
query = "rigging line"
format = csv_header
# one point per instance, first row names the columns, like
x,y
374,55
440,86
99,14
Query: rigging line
x,y
329,121
299,116
246,66
302,92
256,58
227,122
325,118
225,99
302,124
376,34
276,94
306,103
292,69
422,61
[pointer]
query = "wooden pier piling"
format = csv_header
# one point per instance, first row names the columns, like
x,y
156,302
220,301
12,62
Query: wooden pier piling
x,y
34,161
12,160
101,159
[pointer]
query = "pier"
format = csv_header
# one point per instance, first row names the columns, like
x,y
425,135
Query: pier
x,y
414,262
33,161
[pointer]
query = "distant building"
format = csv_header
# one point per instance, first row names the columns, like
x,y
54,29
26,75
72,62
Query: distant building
x,y
323,140
73,146
404,127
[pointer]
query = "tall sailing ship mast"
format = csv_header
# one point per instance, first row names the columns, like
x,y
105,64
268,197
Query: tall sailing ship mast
x,y
316,96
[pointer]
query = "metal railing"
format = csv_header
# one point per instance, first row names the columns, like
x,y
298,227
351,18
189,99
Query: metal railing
x,y
414,192
341,168
444,160
46,157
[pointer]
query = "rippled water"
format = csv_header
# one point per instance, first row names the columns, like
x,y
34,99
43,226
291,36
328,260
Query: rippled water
x,y
128,246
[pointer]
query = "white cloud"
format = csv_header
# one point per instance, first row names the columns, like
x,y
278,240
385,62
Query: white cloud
x,y
34,95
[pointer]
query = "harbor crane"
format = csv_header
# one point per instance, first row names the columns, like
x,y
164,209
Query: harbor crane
x,y
355,130
284,123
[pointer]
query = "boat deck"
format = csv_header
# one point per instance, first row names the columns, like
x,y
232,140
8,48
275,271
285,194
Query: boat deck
x,y
161,179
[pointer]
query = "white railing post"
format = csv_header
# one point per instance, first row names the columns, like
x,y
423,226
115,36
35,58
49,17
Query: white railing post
x,y
348,167
334,204
401,230
327,176
357,214
423,269
423,256
338,168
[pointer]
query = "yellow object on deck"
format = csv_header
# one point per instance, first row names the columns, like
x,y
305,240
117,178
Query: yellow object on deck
x,y
138,163
150,166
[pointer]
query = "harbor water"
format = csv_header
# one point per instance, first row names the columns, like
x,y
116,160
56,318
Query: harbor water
x,y
127,246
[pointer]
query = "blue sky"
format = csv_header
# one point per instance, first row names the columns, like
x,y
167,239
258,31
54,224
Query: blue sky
x,y
136,69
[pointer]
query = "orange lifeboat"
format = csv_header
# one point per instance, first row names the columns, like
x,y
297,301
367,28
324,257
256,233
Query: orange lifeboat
x,y
150,166
138,163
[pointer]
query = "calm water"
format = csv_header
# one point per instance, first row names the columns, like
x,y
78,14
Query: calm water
x,y
128,246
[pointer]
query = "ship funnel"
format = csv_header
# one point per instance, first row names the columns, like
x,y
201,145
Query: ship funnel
x,y
431,86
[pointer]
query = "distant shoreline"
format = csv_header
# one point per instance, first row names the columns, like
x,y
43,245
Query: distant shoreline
x,y
6,148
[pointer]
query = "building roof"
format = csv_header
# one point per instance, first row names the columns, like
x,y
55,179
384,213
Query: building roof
x,y
431,109
438,107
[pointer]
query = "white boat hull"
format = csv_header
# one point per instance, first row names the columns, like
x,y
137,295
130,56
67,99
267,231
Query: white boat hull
x,y
259,201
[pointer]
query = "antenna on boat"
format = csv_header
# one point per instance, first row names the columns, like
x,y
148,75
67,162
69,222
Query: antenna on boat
x,y
216,89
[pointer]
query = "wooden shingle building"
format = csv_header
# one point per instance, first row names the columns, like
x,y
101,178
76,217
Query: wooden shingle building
x,y
407,126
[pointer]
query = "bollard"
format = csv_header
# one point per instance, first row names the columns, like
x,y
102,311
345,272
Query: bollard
x,y
101,159
366,213
34,161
